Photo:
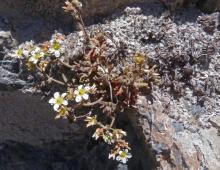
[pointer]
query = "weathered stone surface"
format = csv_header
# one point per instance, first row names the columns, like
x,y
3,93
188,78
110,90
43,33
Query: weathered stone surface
x,y
31,138
27,118
54,8
174,121
209,5
6,39
176,126
205,5
9,80
215,121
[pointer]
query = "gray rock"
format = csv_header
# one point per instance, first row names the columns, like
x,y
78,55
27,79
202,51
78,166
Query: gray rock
x,y
209,5
187,57
215,121
6,39
9,80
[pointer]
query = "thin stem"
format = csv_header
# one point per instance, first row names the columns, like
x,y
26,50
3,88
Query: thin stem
x,y
93,103
110,87
67,65
113,121
55,80
82,116
83,27
51,78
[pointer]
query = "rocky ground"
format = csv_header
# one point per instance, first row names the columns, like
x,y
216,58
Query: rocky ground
x,y
181,120
176,128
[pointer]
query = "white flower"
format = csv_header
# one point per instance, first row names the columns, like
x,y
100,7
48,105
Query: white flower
x,y
56,47
81,93
36,55
18,53
123,156
58,100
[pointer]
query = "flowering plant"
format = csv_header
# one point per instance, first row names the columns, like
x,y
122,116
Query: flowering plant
x,y
94,80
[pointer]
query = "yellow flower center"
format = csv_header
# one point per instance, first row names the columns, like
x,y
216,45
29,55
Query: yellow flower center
x,y
19,52
56,45
82,92
37,56
123,154
59,100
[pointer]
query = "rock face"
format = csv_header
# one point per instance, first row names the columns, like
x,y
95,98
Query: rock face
x,y
177,127
179,122
205,5
209,5
37,20
31,139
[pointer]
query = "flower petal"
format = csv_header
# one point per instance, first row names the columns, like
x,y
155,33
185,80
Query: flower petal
x,y
56,107
41,54
57,54
63,95
80,87
52,101
118,158
124,160
65,103
78,99
76,92
87,88
56,95
85,96
26,53
37,49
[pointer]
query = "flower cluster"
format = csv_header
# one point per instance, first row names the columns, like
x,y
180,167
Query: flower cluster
x,y
35,54
23,50
60,101
120,152
97,80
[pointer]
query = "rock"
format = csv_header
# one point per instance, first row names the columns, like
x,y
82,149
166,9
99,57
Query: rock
x,y
6,42
31,138
6,39
209,22
173,4
177,4
47,9
215,121
209,5
9,80
171,129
